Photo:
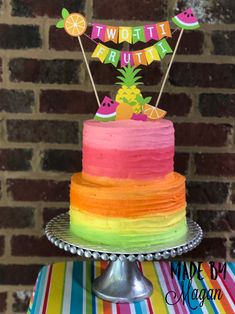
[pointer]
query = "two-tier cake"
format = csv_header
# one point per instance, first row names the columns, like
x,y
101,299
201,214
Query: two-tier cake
x,y
128,194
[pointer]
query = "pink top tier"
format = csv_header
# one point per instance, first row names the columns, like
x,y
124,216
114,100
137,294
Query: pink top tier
x,y
128,149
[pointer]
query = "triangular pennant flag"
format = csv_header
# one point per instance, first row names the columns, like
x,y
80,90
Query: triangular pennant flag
x,y
111,34
163,48
151,54
100,52
163,29
125,34
138,34
98,31
113,57
139,57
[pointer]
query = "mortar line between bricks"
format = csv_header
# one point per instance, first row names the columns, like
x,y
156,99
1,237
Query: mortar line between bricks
x,y
50,176
39,53
17,20
45,36
82,117
106,88
7,9
89,9
75,147
171,6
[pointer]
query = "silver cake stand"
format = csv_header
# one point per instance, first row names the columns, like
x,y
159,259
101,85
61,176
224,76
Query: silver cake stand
x,y
122,281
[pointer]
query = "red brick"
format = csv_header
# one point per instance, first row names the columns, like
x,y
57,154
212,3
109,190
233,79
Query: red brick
x,y
103,74
232,248
120,9
152,74
19,36
15,159
33,246
2,245
215,220
217,105
0,69
49,213
211,12
13,274
174,104
16,217
62,160
69,102
21,301
224,43
215,164
202,75
181,162
207,192
46,131
233,194
106,75
209,249
190,44
31,8
44,71
3,302
59,40
38,190
16,100
202,134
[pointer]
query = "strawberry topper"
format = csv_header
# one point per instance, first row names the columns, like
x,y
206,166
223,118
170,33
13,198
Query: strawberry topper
x,y
129,102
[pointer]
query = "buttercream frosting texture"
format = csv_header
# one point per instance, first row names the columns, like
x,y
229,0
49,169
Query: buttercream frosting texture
x,y
128,194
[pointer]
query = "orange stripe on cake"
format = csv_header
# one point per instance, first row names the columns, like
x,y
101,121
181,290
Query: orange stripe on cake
x,y
131,198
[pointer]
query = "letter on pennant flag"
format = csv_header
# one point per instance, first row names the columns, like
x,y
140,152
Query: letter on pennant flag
x,y
151,32
151,54
138,34
125,34
111,34
163,30
139,57
98,31
163,48
100,52
126,58
113,57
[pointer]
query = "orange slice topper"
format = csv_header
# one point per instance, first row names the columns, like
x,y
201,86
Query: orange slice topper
x,y
75,24
153,113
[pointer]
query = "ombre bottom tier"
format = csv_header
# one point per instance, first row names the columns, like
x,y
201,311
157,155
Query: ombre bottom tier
x,y
128,233
128,214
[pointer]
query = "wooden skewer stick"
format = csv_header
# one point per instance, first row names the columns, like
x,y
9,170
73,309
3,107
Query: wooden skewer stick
x,y
169,67
89,71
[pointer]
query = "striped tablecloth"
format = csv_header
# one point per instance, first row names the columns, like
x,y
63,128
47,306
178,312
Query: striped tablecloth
x,y
65,288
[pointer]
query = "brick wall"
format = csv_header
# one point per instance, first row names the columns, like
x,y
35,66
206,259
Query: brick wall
x,y
45,96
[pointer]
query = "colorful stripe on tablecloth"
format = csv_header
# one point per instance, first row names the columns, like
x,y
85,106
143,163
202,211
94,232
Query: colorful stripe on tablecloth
x,y
66,288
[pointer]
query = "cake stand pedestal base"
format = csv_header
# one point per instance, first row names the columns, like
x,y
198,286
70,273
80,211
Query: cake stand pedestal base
x,y
122,282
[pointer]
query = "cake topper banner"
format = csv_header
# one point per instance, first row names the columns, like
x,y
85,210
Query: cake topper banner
x,y
133,58
75,25
131,35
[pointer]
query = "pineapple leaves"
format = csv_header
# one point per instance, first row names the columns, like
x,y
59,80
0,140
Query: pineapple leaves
x,y
64,13
121,78
122,72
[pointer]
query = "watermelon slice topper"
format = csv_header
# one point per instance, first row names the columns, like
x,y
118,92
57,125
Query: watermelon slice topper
x,y
186,20
107,110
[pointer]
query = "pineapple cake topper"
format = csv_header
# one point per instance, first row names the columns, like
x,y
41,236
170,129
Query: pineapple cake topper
x,y
129,102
